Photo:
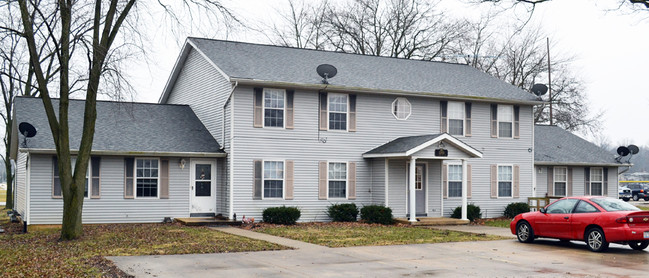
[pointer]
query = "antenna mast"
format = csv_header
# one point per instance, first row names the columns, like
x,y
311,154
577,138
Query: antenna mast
x,y
549,79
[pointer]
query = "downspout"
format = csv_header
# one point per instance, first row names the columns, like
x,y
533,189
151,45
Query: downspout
x,y
224,106
231,213
628,167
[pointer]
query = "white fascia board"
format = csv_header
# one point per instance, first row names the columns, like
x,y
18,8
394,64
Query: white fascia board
x,y
390,155
129,153
344,89
452,140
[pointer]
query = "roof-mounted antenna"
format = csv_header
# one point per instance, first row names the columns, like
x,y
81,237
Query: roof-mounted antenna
x,y
622,151
27,130
633,149
539,90
326,71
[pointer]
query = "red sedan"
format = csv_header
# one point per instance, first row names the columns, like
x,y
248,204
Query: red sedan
x,y
596,220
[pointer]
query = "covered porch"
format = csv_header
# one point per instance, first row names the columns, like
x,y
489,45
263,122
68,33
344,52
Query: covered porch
x,y
414,178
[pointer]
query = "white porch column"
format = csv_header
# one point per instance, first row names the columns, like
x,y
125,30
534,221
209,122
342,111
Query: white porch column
x,y
464,190
411,190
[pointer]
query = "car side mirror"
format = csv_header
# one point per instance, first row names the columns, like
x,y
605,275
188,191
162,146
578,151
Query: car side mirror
x,y
542,210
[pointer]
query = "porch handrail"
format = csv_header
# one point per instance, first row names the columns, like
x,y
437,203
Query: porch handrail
x,y
536,203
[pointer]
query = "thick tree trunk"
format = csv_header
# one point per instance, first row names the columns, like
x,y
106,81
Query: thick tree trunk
x,y
72,210
10,183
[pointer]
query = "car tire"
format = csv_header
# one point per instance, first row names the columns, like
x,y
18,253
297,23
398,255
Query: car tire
x,y
596,241
635,197
646,199
524,232
639,245
626,199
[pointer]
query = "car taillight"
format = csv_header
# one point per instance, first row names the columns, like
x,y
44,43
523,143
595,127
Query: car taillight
x,y
623,220
641,190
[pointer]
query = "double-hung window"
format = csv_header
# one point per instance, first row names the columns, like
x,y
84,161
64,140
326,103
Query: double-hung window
x,y
273,179
146,177
338,108
560,181
57,191
456,118
454,181
505,181
596,181
337,180
274,103
505,121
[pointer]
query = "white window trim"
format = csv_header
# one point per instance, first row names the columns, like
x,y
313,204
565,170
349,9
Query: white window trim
x,y
263,179
498,121
590,184
498,181
448,180
346,180
329,112
395,103
448,118
263,105
135,177
556,180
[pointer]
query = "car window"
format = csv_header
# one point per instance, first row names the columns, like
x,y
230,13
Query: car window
x,y
584,207
562,206
610,204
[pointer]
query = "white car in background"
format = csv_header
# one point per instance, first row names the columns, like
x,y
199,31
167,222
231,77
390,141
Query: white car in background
x,y
625,193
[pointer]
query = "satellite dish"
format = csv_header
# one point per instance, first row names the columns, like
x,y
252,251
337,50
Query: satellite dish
x,y
27,129
326,71
633,149
539,89
623,151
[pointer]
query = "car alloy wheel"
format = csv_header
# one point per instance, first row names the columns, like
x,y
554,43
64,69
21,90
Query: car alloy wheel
x,y
524,232
639,245
596,241
635,197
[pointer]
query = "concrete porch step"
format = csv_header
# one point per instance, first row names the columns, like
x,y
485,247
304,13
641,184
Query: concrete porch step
x,y
433,221
207,221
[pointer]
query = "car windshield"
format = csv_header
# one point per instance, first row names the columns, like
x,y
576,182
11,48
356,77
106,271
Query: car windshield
x,y
610,204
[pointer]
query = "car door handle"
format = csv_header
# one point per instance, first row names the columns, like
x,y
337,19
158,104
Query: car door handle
x,y
566,217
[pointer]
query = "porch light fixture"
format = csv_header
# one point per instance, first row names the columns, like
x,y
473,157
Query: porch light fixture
x,y
182,163
441,145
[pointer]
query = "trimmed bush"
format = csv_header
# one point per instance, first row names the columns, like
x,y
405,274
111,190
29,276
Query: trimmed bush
x,y
472,212
377,214
281,215
514,209
343,212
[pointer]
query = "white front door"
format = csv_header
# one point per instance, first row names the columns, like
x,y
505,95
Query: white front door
x,y
203,186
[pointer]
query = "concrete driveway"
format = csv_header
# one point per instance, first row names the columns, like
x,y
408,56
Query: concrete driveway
x,y
509,258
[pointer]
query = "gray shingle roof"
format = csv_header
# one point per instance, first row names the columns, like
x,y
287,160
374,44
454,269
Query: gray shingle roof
x,y
294,65
123,127
403,144
553,144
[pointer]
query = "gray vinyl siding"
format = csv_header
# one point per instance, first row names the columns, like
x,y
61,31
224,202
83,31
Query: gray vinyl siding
x,y
578,181
21,182
378,181
204,89
397,188
375,126
111,207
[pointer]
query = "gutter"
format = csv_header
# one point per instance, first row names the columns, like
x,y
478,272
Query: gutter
x,y
130,153
585,164
345,89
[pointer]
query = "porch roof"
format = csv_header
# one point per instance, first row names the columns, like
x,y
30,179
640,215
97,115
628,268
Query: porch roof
x,y
409,145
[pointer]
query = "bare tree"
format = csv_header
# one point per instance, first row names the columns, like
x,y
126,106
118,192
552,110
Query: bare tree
x,y
79,48
634,5
302,26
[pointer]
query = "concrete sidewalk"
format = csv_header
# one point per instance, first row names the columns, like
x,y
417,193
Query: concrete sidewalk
x,y
296,244
478,229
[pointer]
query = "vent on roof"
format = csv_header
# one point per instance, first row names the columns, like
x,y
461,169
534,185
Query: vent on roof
x,y
326,71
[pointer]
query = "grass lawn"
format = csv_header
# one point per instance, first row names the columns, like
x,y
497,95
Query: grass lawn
x,y
3,195
643,208
359,234
40,254
496,222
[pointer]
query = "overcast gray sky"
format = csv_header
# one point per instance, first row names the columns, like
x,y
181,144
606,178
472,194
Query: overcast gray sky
x,y
608,46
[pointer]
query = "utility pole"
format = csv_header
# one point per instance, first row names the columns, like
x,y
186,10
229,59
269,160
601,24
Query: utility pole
x,y
549,79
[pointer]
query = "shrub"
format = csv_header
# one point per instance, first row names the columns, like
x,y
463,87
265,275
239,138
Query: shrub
x,y
343,212
472,212
514,209
377,214
281,215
